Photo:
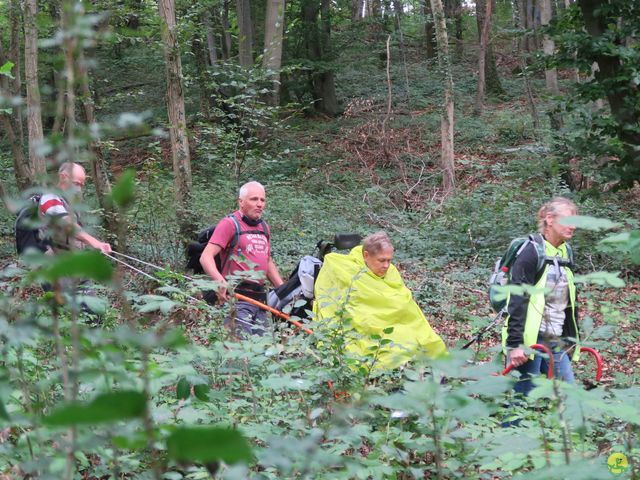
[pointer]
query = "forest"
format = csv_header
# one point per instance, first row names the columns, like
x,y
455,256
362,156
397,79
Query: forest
x,y
131,126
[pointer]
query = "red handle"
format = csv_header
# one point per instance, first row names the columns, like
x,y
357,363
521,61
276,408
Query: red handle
x,y
280,314
594,353
540,347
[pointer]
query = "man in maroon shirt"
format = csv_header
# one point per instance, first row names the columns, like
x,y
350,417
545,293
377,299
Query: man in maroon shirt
x,y
243,241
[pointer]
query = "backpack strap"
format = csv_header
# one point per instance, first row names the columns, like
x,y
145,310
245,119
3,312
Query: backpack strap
x,y
266,228
570,254
236,235
538,242
266,231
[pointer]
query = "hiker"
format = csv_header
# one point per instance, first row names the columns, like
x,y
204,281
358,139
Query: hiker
x,y
249,236
365,288
546,318
71,180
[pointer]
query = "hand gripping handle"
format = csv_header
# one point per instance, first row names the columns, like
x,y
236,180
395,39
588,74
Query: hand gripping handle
x,y
541,348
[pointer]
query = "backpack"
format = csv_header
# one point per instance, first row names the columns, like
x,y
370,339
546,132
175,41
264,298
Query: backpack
x,y
295,296
297,291
28,231
500,276
195,249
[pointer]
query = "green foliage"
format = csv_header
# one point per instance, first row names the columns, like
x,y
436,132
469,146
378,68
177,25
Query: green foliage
x,y
590,223
200,444
5,69
80,264
107,407
150,380
599,32
122,192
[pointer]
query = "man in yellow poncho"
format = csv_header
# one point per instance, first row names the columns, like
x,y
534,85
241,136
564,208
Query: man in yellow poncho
x,y
366,288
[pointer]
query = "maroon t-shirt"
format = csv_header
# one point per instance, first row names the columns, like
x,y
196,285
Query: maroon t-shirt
x,y
254,247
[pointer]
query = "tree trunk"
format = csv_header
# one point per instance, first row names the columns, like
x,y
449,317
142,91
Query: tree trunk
x,y
114,222
356,10
70,49
34,116
211,40
325,83
317,35
531,40
21,168
454,12
375,8
447,157
226,30
177,118
403,51
429,32
492,79
484,40
548,46
623,109
245,42
200,60
272,59
523,43
15,57
515,18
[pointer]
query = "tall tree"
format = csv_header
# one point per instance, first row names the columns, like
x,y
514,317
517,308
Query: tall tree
x,y
429,32
113,220
530,24
177,117
273,29
374,8
226,30
357,7
397,8
453,9
14,56
492,79
21,168
316,24
609,25
484,40
211,39
34,116
548,47
245,27
446,126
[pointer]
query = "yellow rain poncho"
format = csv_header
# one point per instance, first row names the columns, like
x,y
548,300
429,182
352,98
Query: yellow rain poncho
x,y
373,304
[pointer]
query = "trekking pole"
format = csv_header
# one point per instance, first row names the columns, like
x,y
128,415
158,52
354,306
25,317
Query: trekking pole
x,y
278,313
485,329
237,295
157,267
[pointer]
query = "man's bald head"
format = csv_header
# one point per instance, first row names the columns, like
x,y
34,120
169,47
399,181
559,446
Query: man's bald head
x,y
70,175
248,187
252,200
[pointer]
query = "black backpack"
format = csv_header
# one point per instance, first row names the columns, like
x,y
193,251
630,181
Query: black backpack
x,y
195,249
28,229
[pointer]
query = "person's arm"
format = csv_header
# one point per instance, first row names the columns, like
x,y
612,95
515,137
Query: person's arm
x,y
273,275
90,240
523,272
54,208
208,262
